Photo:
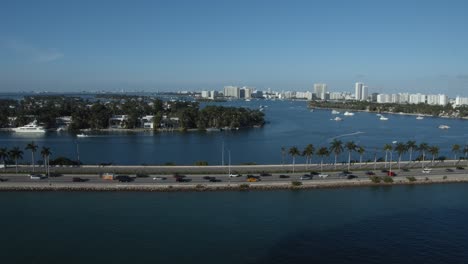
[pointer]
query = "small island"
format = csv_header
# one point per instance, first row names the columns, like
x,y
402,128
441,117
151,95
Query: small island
x,y
124,113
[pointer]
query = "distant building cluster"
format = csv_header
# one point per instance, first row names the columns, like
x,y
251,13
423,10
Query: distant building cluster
x,y
320,92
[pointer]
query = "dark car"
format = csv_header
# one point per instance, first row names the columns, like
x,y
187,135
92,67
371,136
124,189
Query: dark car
x,y
314,173
3,180
449,170
391,173
265,174
177,175
460,168
384,170
282,176
142,175
124,178
370,173
351,176
213,179
78,179
182,179
208,178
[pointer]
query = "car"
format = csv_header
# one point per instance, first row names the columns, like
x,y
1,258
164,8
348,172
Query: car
x,y
3,180
265,174
351,176
449,170
123,178
183,180
234,175
341,174
391,173
159,178
142,175
213,179
314,173
282,176
370,173
207,177
323,175
251,179
460,168
78,179
426,170
384,170
306,177
177,175
36,176
253,176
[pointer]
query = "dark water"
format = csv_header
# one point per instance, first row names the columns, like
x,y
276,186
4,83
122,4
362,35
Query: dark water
x,y
290,124
400,224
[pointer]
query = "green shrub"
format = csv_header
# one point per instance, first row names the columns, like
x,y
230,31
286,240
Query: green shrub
x,y
200,186
426,178
375,179
244,186
387,179
296,183
201,163
445,177
411,178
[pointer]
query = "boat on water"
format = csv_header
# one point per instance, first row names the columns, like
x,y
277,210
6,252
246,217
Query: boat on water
x,y
383,118
82,135
419,118
334,112
337,118
444,127
348,113
247,100
213,129
378,114
32,127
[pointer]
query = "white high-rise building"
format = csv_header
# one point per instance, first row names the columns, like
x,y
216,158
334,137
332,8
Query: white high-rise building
x,y
417,98
461,101
364,93
320,90
384,98
205,94
231,91
358,91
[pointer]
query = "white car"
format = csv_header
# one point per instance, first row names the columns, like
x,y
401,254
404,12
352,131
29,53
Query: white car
x,y
322,175
426,170
234,175
35,176
159,178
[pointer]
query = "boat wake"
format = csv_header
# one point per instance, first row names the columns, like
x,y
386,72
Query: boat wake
x,y
345,135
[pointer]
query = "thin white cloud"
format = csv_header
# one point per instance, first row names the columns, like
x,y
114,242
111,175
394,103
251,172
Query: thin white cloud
x,y
31,52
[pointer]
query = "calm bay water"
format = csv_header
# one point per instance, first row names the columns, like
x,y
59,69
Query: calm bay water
x,y
290,124
400,224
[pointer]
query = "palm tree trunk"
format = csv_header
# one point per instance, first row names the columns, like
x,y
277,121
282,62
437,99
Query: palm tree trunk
x,y
321,165
349,160
399,160
294,162
16,165
386,156
360,161
32,161
336,156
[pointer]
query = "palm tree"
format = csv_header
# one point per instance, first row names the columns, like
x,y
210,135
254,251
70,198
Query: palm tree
x,y
411,145
456,149
45,153
16,154
422,148
336,147
3,156
294,151
361,151
387,148
323,151
350,147
308,152
283,154
434,150
401,149
33,147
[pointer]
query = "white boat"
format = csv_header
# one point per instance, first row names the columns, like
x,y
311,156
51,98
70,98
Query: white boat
x,y
82,135
30,128
337,118
378,115
419,117
334,112
444,127
383,118
213,129
348,113
247,100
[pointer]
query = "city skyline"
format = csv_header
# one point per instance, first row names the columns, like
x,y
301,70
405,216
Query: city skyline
x,y
394,47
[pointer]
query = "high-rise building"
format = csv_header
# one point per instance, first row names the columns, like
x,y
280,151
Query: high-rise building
x,y
461,101
358,91
320,90
231,91
364,93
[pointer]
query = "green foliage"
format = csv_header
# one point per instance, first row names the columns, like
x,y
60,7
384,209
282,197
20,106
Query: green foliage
x,y
244,186
375,179
411,178
296,183
388,179
200,186
445,177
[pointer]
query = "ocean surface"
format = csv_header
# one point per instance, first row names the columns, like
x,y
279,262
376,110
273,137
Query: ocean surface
x,y
398,224
290,123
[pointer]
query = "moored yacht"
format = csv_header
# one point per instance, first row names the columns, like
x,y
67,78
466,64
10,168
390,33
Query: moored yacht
x,y
348,113
444,127
419,117
334,112
30,128
383,118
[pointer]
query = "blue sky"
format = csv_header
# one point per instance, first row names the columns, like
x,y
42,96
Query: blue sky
x,y
393,46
